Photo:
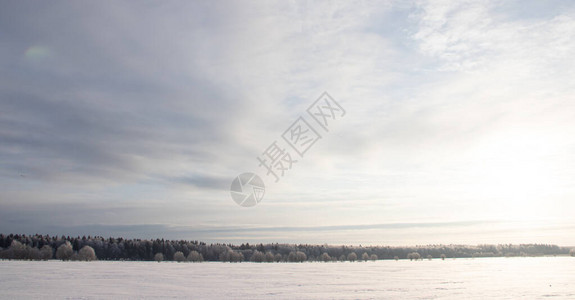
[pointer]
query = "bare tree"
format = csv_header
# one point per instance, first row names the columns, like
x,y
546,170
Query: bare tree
x,y
159,257
396,258
342,257
325,257
572,252
429,257
373,257
443,256
413,255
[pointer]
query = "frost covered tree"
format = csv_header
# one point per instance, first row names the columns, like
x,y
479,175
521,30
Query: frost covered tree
x,y
325,257
159,257
297,256
373,257
46,252
413,255
179,256
17,251
33,253
226,256
65,251
87,253
364,256
231,256
238,257
130,249
195,256
352,257
258,256
278,257
300,256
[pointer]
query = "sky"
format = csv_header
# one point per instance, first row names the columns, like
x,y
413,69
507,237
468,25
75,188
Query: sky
x,y
132,118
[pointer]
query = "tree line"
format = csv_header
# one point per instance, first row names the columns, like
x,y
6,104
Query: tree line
x,y
38,247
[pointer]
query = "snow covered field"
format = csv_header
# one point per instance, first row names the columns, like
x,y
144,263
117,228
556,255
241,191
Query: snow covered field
x,y
502,278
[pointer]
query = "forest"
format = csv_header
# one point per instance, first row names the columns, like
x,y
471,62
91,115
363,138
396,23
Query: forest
x,y
44,247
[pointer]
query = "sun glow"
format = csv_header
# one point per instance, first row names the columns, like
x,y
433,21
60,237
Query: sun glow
x,y
514,173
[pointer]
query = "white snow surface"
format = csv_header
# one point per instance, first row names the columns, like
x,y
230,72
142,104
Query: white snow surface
x,y
479,278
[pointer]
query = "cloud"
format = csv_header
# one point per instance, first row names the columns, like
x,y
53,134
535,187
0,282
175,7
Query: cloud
x,y
151,110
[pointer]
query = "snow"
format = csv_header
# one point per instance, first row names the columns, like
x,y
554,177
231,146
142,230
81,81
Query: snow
x,y
480,278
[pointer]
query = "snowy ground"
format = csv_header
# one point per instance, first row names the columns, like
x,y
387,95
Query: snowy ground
x,y
502,278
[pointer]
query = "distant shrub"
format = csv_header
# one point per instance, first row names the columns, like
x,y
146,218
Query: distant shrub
x,y
269,257
572,252
373,257
442,256
413,256
325,257
429,257
342,257
396,258
159,257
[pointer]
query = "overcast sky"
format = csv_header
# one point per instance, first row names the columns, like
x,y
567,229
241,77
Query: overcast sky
x,y
133,118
